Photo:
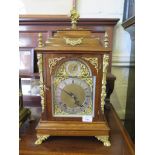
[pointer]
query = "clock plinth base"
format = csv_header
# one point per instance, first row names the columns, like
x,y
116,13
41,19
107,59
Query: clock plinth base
x,y
99,129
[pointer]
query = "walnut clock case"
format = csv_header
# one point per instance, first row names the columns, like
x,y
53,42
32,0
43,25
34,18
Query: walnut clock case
x,y
73,67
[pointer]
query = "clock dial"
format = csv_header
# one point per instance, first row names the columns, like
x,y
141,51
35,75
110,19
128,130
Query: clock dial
x,y
73,68
73,96
73,90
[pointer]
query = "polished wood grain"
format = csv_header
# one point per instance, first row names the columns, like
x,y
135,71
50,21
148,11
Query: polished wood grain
x,y
72,128
53,19
120,140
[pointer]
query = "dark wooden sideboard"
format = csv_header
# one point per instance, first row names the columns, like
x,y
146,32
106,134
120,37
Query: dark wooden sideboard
x,y
31,25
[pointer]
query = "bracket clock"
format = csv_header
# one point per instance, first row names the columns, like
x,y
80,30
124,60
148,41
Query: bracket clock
x,y
72,67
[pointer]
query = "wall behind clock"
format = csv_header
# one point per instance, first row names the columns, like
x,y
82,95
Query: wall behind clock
x,y
51,7
122,59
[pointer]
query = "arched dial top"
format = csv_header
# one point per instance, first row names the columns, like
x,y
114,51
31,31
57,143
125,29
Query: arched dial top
x,y
73,67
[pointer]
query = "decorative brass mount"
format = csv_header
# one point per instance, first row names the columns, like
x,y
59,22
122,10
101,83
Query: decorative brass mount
x,y
40,40
73,42
74,17
41,138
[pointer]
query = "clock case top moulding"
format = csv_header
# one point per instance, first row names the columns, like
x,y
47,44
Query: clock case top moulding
x,y
72,44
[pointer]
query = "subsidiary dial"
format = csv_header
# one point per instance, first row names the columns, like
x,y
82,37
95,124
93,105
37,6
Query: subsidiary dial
x,y
73,68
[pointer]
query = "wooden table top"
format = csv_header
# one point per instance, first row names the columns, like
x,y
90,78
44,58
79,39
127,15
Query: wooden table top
x,y
121,143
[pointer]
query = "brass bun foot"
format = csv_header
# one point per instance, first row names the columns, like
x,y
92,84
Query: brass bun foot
x,y
41,138
104,140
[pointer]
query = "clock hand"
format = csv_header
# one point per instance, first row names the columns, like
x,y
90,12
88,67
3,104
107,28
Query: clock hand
x,y
74,67
70,94
77,102
74,97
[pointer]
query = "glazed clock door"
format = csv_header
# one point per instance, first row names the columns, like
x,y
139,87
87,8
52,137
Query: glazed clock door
x,y
73,90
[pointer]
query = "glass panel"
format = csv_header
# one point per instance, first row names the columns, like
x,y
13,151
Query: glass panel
x,y
129,9
26,62
30,86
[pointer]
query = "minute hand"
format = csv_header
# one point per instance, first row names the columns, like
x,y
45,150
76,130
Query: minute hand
x,y
70,94
73,96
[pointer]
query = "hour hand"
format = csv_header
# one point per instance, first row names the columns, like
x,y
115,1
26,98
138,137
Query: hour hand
x,y
77,102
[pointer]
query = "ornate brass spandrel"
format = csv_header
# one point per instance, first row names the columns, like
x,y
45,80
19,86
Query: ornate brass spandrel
x,y
106,40
53,61
61,71
103,93
39,57
74,17
93,61
84,72
57,110
104,140
73,41
58,79
88,81
40,40
41,138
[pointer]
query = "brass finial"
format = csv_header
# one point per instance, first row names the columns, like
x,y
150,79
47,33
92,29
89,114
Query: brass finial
x,y
40,40
106,40
74,17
